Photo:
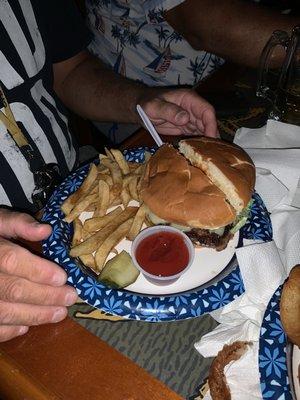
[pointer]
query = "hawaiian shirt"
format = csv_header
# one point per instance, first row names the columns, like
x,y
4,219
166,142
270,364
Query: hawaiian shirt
x,y
134,39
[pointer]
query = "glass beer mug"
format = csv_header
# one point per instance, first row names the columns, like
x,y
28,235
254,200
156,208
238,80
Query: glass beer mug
x,y
285,97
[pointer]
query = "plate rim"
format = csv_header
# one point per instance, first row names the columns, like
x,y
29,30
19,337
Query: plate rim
x,y
271,382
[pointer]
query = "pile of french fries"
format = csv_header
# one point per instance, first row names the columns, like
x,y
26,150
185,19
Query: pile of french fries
x,y
106,191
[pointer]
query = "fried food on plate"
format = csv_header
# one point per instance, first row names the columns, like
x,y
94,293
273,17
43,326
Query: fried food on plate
x,y
105,209
114,238
69,203
95,241
95,223
219,389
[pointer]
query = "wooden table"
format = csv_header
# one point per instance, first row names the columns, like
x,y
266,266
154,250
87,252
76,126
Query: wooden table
x,y
65,361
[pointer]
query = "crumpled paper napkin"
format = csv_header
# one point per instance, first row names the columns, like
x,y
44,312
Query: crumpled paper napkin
x,y
275,151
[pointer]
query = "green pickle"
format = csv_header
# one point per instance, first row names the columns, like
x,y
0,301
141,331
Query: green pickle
x,y
119,271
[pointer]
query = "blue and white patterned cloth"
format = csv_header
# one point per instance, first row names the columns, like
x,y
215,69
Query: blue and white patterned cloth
x,y
133,38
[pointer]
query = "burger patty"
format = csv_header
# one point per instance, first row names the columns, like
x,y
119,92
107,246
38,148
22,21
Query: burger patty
x,y
203,237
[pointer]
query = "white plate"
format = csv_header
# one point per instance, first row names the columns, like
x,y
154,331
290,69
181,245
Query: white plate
x,y
220,274
208,263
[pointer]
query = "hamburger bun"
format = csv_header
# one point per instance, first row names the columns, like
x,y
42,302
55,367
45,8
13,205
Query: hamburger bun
x,y
290,306
227,165
204,187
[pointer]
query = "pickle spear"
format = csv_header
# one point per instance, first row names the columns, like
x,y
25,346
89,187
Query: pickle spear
x,y
119,271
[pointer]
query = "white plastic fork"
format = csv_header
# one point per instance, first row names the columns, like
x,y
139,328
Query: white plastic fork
x,y
150,127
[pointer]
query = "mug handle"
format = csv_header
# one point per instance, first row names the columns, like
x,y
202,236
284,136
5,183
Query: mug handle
x,y
278,38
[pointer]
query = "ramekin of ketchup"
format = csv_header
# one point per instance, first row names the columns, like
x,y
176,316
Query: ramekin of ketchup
x,y
162,253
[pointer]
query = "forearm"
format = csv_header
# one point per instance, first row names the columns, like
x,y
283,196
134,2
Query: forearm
x,y
234,30
97,93
89,89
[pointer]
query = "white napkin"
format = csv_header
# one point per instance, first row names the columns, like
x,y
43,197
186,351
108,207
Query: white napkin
x,y
275,151
286,234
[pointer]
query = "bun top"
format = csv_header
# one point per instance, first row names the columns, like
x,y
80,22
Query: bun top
x,y
227,165
179,193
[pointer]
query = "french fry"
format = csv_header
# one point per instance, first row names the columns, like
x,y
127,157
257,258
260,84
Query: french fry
x,y
148,222
85,234
139,170
142,171
101,158
137,223
103,203
109,153
88,260
81,206
125,196
114,200
91,207
70,202
77,235
110,242
116,175
102,169
147,156
127,179
124,167
133,165
93,242
93,189
107,178
95,223
133,188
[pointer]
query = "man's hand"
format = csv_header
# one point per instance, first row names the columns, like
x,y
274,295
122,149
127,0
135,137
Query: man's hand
x,y
88,88
32,289
181,112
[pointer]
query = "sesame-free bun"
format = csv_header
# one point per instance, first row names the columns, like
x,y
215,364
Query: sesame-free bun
x,y
290,306
179,193
227,165
203,185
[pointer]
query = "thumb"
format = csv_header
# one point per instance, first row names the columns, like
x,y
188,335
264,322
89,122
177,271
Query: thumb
x,y
20,225
170,112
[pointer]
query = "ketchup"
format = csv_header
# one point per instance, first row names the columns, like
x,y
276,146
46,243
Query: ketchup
x,y
163,254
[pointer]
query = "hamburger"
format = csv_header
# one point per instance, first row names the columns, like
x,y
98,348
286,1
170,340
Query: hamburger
x,y
204,188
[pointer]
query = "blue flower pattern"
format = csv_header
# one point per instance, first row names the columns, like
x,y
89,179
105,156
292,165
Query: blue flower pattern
x,y
91,288
135,306
219,299
237,281
259,225
272,354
